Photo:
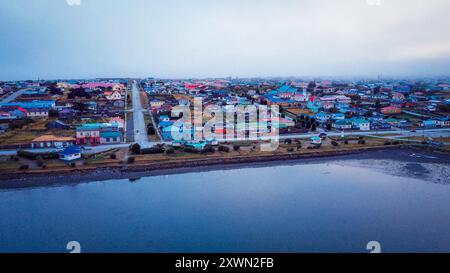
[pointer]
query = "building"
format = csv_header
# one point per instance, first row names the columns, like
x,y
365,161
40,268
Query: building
x,y
316,141
391,110
70,153
51,141
338,116
361,124
119,121
67,114
113,95
342,125
99,133
155,104
430,123
37,112
322,117
111,137
443,121
50,104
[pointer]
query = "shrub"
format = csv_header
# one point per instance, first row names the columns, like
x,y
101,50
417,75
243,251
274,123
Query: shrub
x,y
73,165
170,151
153,150
135,149
236,147
113,156
208,150
299,146
131,160
33,156
346,142
40,161
362,142
387,143
24,167
396,142
290,150
44,166
288,141
190,150
224,149
334,143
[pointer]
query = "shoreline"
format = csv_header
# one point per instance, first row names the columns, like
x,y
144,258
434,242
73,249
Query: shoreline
x,y
135,172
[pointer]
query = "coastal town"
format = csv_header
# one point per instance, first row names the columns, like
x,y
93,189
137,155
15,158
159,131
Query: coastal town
x,y
84,124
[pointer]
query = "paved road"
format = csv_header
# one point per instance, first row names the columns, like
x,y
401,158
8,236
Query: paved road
x,y
12,96
145,143
140,130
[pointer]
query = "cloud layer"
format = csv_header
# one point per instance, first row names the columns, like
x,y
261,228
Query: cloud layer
x,y
197,38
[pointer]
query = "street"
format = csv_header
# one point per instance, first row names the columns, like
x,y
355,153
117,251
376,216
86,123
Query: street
x,y
140,130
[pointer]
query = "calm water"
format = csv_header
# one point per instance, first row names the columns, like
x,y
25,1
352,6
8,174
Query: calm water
x,y
321,207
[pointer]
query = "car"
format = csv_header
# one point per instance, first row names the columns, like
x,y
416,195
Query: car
x,y
323,135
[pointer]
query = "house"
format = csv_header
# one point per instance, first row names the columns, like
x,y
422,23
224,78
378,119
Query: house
x,y
33,104
314,104
380,125
37,112
57,124
70,153
15,112
3,128
395,122
118,103
317,141
88,134
398,97
391,110
322,117
164,118
119,121
338,116
51,141
155,103
6,116
361,124
91,105
67,114
111,137
443,121
327,105
99,133
342,125
430,123
113,95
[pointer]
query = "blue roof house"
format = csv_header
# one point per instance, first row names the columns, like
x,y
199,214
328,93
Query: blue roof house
x,y
70,153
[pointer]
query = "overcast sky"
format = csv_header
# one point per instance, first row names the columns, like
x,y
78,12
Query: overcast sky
x,y
216,38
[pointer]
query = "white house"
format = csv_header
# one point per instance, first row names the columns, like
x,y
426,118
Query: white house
x,y
114,95
70,153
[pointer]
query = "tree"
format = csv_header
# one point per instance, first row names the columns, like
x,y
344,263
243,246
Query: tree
x,y
53,113
378,104
136,149
313,127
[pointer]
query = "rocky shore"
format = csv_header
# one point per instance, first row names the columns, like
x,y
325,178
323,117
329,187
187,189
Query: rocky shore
x,y
143,169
